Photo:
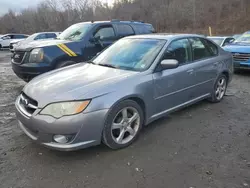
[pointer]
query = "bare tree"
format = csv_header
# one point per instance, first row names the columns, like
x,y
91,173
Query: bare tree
x,y
224,16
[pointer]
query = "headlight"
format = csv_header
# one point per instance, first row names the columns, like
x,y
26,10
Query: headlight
x,y
58,110
36,55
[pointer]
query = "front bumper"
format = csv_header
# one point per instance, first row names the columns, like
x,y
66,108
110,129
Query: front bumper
x,y
85,129
241,65
27,71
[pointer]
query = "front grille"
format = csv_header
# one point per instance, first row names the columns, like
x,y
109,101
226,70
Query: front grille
x,y
27,105
18,57
241,57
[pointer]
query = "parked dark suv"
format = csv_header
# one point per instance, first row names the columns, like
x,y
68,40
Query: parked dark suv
x,y
78,43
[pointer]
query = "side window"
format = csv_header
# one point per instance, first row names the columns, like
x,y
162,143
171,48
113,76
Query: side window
x,y
40,36
200,51
228,41
211,47
50,35
105,33
150,28
179,50
19,36
125,30
15,37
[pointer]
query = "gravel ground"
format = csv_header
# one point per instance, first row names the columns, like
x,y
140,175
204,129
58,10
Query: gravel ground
x,y
205,145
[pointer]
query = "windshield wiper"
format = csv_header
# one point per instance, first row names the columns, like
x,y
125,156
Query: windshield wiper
x,y
107,65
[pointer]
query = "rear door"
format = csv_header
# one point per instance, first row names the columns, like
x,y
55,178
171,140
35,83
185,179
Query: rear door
x,y
206,63
174,87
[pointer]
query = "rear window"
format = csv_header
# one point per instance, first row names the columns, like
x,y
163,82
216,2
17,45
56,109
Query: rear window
x,y
143,28
125,30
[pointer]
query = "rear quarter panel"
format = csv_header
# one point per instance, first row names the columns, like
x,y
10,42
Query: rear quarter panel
x,y
226,65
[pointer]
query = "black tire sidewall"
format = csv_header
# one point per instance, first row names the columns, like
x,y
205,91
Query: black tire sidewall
x,y
106,135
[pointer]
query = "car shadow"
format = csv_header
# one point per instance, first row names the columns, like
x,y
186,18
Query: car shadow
x,y
243,73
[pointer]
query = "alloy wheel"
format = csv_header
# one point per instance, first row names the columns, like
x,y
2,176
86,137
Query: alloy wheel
x,y
220,88
125,125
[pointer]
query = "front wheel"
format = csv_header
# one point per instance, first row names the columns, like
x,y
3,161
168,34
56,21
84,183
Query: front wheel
x,y
219,89
123,125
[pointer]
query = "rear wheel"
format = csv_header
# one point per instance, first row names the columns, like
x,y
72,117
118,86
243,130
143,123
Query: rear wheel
x,y
0,47
219,89
123,125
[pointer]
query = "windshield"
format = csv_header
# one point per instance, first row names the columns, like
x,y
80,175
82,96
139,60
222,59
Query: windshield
x,y
31,37
131,54
75,32
217,40
243,38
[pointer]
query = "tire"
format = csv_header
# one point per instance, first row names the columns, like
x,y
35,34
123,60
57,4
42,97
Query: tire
x,y
64,64
120,132
0,47
219,89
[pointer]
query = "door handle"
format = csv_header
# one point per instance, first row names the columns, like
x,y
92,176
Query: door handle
x,y
191,71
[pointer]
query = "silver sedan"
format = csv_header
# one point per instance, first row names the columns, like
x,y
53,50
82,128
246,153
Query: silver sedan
x,y
132,83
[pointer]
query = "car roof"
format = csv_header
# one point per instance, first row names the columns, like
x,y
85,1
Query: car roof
x,y
116,21
15,34
219,37
165,36
47,32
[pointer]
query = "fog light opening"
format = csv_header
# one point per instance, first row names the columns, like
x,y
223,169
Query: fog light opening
x,y
61,139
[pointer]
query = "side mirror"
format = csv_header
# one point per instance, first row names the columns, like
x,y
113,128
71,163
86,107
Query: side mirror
x,y
169,64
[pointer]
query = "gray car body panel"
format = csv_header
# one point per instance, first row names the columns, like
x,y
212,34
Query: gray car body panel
x,y
160,91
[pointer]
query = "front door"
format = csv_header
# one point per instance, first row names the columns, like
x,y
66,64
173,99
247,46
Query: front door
x,y
174,87
102,37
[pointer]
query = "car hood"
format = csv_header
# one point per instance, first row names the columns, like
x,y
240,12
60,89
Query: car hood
x,y
76,82
39,44
238,48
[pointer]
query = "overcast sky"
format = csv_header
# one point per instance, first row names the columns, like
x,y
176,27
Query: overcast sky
x,y
17,5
